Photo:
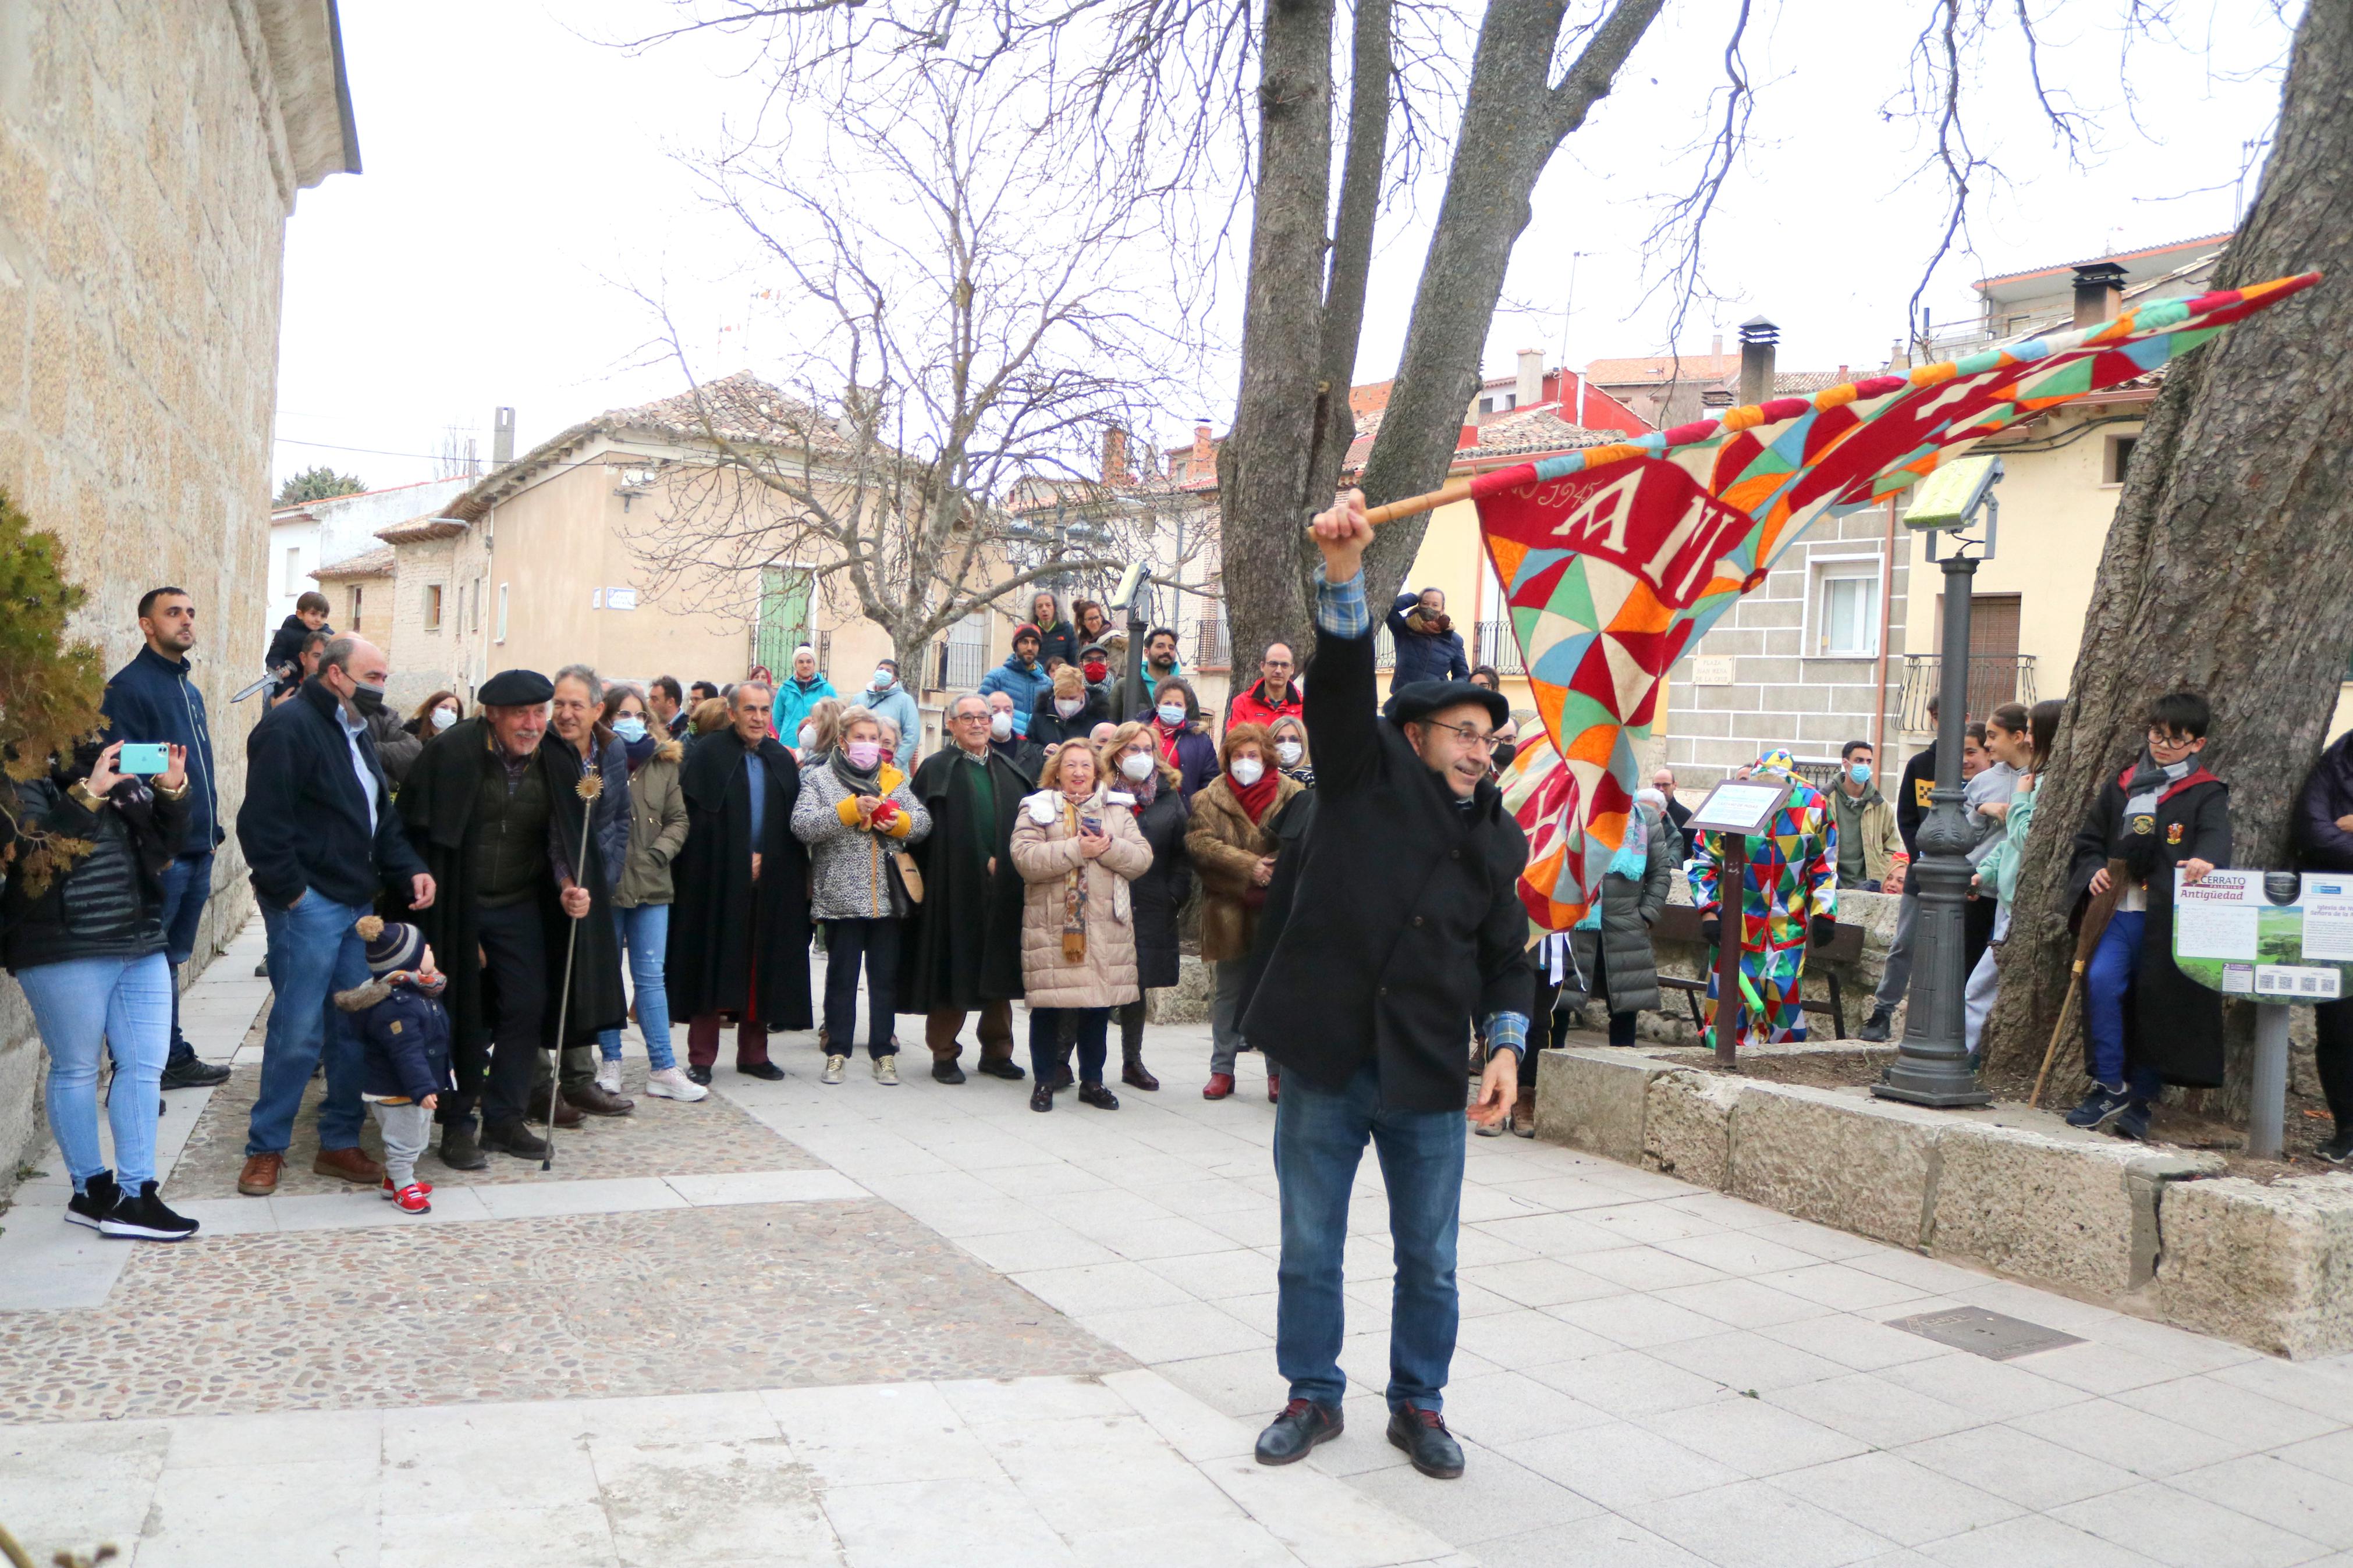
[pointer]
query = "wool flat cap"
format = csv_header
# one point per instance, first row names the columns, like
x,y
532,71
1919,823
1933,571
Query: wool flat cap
x,y
1422,698
517,688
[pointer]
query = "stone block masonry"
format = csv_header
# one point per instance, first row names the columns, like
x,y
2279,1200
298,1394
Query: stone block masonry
x,y
149,157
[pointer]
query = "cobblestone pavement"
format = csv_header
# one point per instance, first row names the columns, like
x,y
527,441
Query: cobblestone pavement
x,y
1651,1375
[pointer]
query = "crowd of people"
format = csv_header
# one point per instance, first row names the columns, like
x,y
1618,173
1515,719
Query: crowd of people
x,y
466,910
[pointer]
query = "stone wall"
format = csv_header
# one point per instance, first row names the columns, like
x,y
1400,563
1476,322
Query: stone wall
x,y
149,157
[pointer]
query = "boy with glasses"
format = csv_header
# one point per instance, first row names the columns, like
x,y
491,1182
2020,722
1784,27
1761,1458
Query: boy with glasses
x,y
2145,1023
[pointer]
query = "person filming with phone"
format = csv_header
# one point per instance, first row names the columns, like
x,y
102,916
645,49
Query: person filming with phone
x,y
84,936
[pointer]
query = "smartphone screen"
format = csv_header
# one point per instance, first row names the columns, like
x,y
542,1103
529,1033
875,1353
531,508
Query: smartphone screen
x,y
142,758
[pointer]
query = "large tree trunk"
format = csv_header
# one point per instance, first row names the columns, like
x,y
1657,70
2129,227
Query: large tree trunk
x,y
2230,565
1485,208
1263,471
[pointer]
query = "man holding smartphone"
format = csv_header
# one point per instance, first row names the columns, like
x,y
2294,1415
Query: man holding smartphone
x,y
152,703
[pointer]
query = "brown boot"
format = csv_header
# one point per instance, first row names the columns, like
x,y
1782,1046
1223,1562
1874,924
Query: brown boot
x,y
596,1101
350,1164
260,1177
567,1115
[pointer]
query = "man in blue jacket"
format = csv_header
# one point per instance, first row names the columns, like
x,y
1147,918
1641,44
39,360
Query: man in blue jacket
x,y
322,840
1022,677
1428,646
153,698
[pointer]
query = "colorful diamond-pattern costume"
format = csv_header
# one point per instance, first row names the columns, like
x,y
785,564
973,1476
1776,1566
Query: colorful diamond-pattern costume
x,y
1791,877
1615,559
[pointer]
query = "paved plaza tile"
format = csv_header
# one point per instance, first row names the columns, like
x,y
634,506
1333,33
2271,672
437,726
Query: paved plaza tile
x,y
851,1325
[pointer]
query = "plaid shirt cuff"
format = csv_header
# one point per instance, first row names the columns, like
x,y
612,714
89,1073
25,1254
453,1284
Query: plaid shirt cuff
x,y
1340,609
1508,1029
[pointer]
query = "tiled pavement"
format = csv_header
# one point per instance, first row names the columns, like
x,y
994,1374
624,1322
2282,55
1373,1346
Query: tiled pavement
x,y
1649,1375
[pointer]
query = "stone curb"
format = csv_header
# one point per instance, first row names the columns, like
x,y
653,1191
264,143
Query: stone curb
x,y
2158,1232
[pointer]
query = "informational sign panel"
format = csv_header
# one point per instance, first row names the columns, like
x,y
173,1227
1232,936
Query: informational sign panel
x,y
2230,936
1745,806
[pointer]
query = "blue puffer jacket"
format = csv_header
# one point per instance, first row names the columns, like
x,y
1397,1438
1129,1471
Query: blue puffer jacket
x,y
405,1034
793,703
152,699
1024,683
1423,655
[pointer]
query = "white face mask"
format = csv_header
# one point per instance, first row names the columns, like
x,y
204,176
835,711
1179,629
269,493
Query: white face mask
x,y
1287,752
1066,706
1136,765
1000,725
1172,714
444,717
807,736
1248,771
883,679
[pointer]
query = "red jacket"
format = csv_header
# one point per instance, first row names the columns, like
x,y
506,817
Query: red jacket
x,y
1250,706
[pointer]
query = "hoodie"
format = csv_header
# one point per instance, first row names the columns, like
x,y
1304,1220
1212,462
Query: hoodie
x,y
893,703
1025,683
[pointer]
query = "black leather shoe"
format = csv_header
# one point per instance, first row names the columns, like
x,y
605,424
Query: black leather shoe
x,y
767,1072
1302,1426
699,1075
462,1151
1041,1098
194,1072
999,1066
946,1071
1099,1097
1423,1436
515,1138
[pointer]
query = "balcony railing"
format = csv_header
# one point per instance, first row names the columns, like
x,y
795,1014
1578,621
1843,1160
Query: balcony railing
x,y
1212,646
1492,642
1994,679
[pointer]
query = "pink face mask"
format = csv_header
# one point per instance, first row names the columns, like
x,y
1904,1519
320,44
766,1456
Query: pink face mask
x,y
864,754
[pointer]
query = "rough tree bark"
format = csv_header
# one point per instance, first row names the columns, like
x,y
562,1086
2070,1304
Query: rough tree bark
x,y
2230,565
1484,210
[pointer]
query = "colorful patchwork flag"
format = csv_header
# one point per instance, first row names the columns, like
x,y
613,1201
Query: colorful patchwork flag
x,y
1615,559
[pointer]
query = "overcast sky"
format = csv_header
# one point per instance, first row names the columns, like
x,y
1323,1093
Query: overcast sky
x,y
522,189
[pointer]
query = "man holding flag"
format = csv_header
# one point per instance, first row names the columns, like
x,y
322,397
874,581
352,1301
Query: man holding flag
x,y
1405,930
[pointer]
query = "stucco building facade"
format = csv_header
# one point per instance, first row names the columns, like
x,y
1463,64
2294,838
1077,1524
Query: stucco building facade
x,y
148,158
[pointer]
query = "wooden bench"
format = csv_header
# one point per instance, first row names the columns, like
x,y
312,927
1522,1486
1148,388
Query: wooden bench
x,y
1680,922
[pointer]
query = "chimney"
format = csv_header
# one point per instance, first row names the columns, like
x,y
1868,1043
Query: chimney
x,y
1115,457
1527,390
1715,346
2099,292
501,436
1757,338
1204,462
1469,434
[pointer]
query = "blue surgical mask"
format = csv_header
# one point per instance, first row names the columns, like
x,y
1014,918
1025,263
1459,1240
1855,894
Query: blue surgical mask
x,y
630,727
1860,773
1172,714
883,678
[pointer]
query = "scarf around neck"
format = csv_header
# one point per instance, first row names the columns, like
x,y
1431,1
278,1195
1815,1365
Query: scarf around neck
x,y
1255,798
1074,887
638,751
2149,780
856,780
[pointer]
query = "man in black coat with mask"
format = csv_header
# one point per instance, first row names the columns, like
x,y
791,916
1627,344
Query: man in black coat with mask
x,y
502,809
1404,929
739,931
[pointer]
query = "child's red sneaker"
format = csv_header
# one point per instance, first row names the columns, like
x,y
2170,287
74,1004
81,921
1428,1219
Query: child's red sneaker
x,y
412,1199
391,1193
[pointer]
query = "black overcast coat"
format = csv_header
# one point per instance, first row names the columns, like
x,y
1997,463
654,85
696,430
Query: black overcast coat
x,y
737,945
1403,924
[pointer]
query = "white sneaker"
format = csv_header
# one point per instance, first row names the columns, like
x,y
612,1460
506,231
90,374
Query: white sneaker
x,y
608,1076
671,1084
886,1071
833,1066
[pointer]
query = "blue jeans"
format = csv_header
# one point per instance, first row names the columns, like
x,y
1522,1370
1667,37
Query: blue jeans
x,y
2107,990
187,888
1091,1031
1319,1138
82,1008
645,937
313,953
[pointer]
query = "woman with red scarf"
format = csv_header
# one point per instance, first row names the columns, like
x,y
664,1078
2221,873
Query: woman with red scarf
x,y
1176,732
1233,845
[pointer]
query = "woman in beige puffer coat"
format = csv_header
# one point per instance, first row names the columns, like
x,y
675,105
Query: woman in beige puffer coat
x,y
1076,847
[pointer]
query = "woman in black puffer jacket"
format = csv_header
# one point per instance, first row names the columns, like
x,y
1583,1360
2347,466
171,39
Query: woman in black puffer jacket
x,y
87,945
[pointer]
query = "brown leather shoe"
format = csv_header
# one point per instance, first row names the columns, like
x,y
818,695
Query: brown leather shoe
x,y
597,1100
350,1164
567,1115
260,1177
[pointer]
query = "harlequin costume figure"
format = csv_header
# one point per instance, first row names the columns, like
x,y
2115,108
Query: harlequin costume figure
x,y
1789,887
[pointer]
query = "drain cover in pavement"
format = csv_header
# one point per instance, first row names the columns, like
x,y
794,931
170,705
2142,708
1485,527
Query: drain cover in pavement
x,y
1993,1335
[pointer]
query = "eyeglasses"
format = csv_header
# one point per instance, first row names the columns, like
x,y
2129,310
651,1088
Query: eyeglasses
x,y
1486,742
2170,740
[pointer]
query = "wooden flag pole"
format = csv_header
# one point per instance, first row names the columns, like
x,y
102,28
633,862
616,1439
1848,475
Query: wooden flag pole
x,y
1414,506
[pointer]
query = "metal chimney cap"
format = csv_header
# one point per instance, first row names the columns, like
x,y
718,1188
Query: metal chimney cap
x,y
2099,274
1758,330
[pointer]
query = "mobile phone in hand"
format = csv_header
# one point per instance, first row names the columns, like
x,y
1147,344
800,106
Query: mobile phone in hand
x,y
137,757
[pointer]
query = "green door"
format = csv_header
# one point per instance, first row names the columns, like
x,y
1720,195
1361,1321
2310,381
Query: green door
x,y
783,622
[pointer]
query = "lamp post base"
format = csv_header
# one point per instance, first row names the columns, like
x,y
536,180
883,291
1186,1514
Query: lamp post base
x,y
1939,1090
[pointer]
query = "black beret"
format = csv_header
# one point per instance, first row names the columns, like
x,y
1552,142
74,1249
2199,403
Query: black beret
x,y
1423,697
515,688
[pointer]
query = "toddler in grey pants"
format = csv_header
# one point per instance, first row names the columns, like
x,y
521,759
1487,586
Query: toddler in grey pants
x,y
405,1034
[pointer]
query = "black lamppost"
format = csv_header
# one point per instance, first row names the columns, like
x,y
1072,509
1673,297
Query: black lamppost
x,y
1932,1061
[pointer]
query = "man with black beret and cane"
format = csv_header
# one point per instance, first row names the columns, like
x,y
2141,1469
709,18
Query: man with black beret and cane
x,y
1402,928
500,808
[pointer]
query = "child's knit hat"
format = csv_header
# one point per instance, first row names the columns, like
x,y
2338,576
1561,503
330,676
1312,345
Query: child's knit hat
x,y
391,945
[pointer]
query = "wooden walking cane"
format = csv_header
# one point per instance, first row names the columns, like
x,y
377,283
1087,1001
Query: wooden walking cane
x,y
2087,941
591,786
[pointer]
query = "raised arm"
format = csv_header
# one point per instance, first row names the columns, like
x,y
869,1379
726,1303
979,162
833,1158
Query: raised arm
x,y
1340,699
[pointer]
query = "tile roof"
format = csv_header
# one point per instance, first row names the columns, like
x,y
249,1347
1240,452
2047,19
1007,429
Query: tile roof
x,y
376,562
1370,398
1660,367
1535,428
416,530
